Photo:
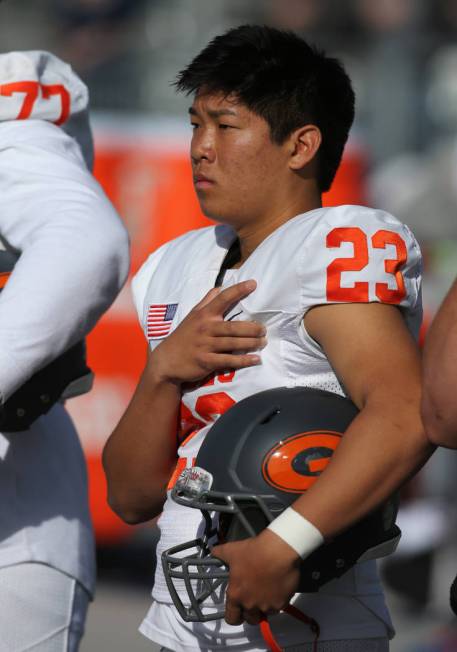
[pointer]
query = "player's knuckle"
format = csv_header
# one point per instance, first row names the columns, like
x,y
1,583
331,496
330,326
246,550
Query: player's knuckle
x,y
250,605
201,357
204,361
204,328
233,594
230,328
199,318
210,362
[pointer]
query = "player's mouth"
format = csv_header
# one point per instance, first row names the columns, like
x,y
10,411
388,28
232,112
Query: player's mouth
x,y
201,182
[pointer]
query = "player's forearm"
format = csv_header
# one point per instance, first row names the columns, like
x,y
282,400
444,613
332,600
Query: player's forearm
x,y
381,449
439,405
140,455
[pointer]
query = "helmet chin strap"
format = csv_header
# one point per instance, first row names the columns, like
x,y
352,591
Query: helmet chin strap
x,y
269,638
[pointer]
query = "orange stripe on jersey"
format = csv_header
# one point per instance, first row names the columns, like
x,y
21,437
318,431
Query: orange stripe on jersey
x,y
189,437
179,468
4,276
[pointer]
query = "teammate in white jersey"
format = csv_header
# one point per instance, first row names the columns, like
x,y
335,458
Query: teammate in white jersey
x,y
324,298
72,259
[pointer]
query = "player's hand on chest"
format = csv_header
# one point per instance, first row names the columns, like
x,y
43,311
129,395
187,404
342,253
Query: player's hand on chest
x,y
206,342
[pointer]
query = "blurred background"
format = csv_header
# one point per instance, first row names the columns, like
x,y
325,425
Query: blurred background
x,y
402,156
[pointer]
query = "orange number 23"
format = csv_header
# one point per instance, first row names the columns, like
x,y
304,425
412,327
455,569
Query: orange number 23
x,y
360,291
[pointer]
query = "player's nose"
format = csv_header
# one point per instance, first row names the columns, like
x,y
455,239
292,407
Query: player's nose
x,y
202,146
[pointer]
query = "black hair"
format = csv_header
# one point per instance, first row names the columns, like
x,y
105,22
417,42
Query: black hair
x,y
280,77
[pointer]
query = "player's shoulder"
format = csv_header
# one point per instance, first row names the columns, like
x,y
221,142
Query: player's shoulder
x,y
358,254
325,219
331,254
370,219
329,227
310,234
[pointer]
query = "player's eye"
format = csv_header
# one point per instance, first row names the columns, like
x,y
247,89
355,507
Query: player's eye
x,y
194,125
225,126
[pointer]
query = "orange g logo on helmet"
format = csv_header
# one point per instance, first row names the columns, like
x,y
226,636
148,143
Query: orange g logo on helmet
x,y
296,462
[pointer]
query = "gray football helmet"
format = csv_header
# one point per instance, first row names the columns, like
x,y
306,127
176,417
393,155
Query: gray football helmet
x,y
254,462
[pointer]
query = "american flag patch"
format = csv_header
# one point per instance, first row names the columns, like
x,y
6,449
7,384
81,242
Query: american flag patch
x,y
159,320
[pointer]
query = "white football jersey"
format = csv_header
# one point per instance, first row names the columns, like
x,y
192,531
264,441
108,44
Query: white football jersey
x,y
328,255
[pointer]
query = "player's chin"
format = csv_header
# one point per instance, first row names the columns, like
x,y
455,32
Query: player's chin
x,y
214,211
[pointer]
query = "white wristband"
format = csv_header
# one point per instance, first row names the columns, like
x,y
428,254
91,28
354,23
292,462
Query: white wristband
x,y
297,531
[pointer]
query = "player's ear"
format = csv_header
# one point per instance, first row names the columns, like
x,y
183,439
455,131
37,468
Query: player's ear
x,y
304,144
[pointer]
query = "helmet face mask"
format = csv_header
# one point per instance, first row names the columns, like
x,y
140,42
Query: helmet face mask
x,y
228,517
255,461
203,575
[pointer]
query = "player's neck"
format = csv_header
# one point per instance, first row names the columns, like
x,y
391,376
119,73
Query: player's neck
x,y
252,234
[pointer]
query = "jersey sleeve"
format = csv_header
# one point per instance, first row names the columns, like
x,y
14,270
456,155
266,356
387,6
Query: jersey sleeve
x,y
360,255
72,246
141,281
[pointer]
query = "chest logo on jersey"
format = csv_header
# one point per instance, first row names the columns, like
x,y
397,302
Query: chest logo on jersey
x,y
159,320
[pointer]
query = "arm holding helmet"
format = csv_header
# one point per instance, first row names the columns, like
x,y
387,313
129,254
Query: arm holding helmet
x,y
377,361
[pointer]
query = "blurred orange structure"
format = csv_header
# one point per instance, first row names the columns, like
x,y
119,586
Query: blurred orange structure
x,y
146,173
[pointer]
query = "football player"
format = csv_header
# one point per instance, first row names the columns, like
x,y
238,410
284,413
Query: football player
x,y
282,292
71,259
